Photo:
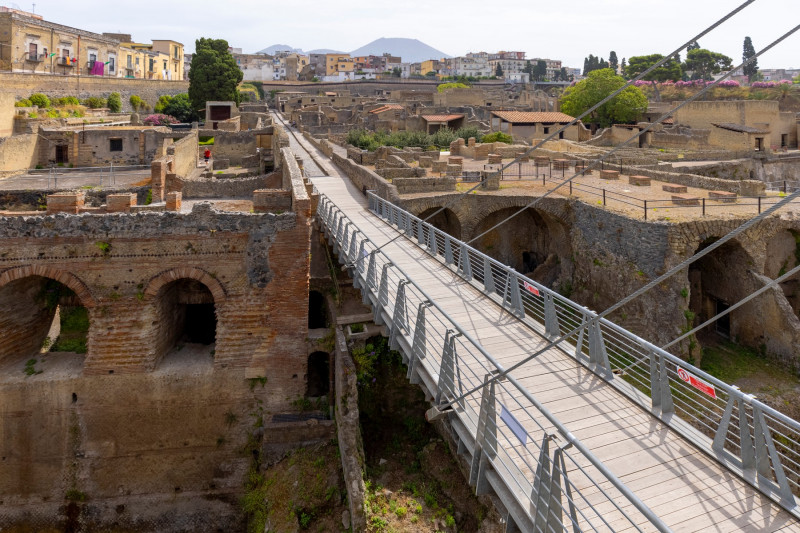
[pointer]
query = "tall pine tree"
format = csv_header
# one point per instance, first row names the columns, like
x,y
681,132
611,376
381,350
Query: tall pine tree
x,y
751,69
214,74
613,64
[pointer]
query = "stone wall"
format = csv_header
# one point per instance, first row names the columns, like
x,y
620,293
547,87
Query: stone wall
x,y
236,146
18,153
741,187
7,112
418,185
23,85
185,154
220,188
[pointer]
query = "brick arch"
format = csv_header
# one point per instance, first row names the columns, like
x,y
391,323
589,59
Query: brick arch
x,y
66,278
174,274
483,209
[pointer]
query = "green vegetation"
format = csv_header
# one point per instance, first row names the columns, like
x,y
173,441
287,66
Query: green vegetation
x,y
249,92
371,141
356,328
180,107
704,63
74,495
206,141
625,107
497,137
94,102
214,74
40,100
114,103
25,102
30,368
149,199
447,86
136,102
74,329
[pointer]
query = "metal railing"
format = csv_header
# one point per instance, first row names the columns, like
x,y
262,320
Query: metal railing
x,y
53,177
546,478
753,440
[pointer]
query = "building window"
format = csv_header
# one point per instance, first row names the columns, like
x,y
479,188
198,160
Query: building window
x,y
115,145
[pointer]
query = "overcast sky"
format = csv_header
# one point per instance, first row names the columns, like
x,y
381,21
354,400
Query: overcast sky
x,y
559,29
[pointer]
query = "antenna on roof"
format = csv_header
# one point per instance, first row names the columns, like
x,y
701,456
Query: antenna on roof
x,y
34,8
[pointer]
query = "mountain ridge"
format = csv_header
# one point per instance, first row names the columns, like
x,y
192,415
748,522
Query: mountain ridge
x,y
410,50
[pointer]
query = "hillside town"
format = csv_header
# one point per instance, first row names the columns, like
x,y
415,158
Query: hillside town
x,y
392,289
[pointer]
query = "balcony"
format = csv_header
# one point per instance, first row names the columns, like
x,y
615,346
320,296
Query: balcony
x,y
34,58
65,62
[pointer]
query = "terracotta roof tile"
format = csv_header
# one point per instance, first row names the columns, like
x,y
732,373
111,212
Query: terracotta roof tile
x,y
387,107
441,118
739,127
533,116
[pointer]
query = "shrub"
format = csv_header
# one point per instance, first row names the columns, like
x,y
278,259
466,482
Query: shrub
x,y
95,102
135,101
66,100
497,137
163,101
443,137
445,86
23,103
40,100
114,103
159,120
469,131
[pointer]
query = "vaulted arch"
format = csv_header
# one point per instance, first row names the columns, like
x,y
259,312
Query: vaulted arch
x,y
168,276
68,279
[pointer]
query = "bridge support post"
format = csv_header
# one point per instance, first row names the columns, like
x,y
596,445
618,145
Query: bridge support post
x,y
371,283
409,226
659,386
449,371
448,250
383,295
359,265
332,227
464,265
485,437
547,492
511,295
550,317
598,356
433,248
488,276
400,315
418,345
420,233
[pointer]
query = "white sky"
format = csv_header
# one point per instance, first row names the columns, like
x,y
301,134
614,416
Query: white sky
x,y
559,29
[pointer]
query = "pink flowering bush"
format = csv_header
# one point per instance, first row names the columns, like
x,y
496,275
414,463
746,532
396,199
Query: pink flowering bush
x,y
769,84
159,120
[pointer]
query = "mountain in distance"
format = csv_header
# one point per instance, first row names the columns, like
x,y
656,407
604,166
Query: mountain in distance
x,y
409,50
270,50
324,51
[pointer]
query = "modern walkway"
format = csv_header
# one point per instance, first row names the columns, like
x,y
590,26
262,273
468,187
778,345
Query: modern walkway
x,y
685,487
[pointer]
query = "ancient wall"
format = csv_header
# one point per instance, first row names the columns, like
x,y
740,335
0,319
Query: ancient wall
x,y
235,146
23,85
185,154
18,153
220,188
761,114
7,112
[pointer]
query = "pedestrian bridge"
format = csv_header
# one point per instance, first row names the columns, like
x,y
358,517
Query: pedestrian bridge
x,y
602,432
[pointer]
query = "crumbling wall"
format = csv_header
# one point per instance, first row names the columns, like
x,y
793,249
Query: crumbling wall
x,y
18,153
185,154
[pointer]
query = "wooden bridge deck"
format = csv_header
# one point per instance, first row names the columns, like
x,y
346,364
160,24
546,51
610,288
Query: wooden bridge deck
x,y
687,489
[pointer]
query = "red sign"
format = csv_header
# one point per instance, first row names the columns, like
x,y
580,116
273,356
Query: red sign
x,y
530,288
697,383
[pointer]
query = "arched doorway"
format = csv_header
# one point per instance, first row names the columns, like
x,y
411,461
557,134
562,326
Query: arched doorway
x,y
318,375
534,243
39,314
317,311
446,221
717,281
186,315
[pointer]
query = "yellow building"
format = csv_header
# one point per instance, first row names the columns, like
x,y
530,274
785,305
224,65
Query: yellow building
x,y
141,60
431,65
28,43
336,63
174,52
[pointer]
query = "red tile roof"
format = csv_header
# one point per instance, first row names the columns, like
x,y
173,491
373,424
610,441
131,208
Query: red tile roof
x,y
527,117
441,118
387,107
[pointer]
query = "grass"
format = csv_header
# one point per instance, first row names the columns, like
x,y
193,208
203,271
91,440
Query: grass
x,y
731,362
74,327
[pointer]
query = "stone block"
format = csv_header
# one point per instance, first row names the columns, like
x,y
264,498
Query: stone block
x,y
560,164
453,170
541,161
723,196
495,159
65,202
522,157
581,166
425,162
643,181
685,199
471,141
174,201
609,174
455,161
220,164
120,203
439,166
272,200
679,189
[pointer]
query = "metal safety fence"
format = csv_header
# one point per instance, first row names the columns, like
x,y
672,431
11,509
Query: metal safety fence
x,y
545,477
53,178
750,438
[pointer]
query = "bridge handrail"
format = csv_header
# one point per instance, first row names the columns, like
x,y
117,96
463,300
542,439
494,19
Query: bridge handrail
x,y
703,409
489,434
